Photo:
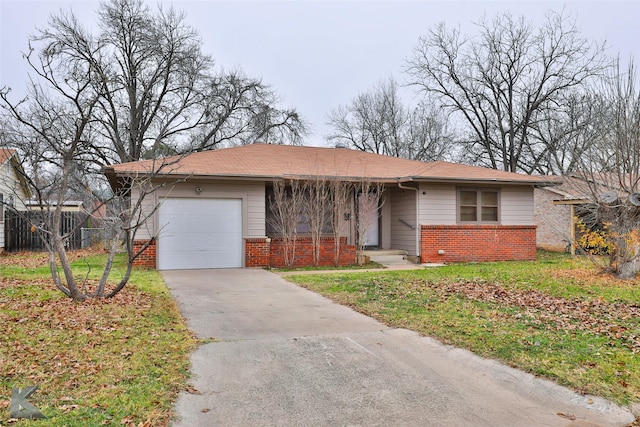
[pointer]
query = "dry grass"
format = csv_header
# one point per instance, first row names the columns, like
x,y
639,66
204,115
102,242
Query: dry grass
x,y
119,361
557,317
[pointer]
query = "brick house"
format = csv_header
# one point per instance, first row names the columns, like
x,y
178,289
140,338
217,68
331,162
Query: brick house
x,y
554,220
557,209
214,205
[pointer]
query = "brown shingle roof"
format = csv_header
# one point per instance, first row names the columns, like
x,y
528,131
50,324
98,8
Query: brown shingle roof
x,y
6,154
265,161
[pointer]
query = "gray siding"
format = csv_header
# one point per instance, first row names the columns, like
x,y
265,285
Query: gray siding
x,y
516,206
403,207
437,204
252,194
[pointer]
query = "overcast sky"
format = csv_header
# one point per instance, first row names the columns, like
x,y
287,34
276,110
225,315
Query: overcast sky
x,y
320,54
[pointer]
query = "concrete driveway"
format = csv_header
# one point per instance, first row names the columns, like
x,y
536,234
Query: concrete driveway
x,y
285,356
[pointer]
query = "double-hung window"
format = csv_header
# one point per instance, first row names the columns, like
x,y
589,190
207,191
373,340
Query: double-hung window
x,y
478,205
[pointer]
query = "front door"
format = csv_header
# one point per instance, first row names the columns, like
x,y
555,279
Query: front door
x,y
369,212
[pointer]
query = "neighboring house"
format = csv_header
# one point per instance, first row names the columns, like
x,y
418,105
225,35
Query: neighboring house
x,y
559,208
214,206
13,187
67,206
556,229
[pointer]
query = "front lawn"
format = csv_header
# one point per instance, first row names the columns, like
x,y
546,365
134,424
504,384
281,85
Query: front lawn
x,y
120,361
557,317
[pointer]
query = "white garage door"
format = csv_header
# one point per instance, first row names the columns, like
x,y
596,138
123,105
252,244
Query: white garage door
x,y
200,233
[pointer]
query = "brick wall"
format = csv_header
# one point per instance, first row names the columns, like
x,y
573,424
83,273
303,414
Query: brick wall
x,y
264,252
304,252
148,257
257,252
554,221
463,243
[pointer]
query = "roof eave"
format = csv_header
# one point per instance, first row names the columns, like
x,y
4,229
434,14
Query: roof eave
x,y
115,178
457,180
578,201
21,175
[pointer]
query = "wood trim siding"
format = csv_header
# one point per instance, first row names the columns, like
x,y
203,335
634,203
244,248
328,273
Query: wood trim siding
x,y
517,206
437,204
403,212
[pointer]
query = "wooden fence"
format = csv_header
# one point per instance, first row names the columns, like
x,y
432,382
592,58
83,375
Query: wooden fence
x,y
20,234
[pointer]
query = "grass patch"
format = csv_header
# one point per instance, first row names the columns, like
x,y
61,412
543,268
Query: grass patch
x,y
556,317
120,361
369,265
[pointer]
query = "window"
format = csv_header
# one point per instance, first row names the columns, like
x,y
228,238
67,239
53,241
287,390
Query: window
x,y
1,207
273,223
478,205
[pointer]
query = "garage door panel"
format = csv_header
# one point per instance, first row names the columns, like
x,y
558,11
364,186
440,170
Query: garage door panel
x,y
200,233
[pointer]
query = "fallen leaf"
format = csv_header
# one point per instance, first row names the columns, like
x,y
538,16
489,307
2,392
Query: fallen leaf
x,y
567,416
191,389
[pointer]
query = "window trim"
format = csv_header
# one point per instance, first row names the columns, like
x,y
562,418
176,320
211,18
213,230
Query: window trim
x,y
478,191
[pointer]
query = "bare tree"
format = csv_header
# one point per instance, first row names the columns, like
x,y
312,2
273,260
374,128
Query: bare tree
x,y
611,171
287,208
316,210
562,135
238,109
157,93
369,199
379,122
61,125
341,194
62,129
427,136
140,88
499,82
145,68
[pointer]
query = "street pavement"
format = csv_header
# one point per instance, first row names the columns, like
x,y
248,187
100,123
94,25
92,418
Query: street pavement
x,y
280,355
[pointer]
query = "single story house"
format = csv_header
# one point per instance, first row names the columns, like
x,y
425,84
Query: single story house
x,y
214,206
13,188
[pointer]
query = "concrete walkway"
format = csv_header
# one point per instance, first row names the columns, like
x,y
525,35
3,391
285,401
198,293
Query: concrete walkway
x,y
285,356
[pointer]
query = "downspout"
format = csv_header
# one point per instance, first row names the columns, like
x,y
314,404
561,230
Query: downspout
x,y
573,230
402,187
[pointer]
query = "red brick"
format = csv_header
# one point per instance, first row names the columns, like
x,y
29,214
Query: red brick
x,y
148,257
303,254
465,243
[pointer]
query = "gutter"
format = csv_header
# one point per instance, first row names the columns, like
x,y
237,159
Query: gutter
x,y
451,180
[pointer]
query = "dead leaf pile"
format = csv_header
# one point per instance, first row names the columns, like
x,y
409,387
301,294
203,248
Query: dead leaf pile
x,y
41,259
591,315
73,351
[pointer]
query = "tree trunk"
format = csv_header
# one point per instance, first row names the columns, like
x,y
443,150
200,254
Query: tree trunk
x,y
107,268
629,263
60,250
